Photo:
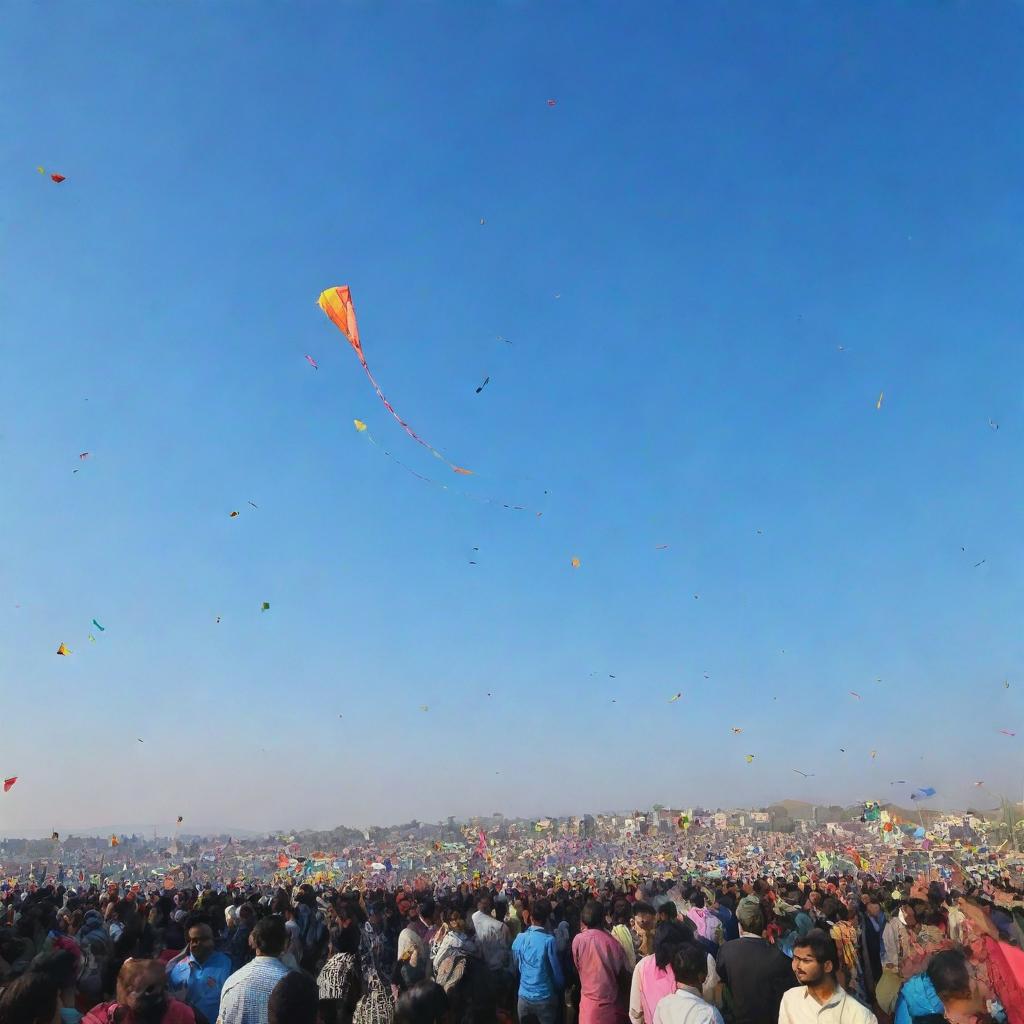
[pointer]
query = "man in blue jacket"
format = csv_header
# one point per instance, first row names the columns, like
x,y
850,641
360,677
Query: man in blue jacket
x,y
540,974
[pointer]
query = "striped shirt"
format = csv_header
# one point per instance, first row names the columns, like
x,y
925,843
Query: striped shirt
x,y
246,994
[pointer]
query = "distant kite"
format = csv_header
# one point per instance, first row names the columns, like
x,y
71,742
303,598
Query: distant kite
x,y
337,304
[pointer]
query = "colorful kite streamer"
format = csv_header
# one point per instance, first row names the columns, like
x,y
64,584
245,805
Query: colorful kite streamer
x,y
337,304
363,429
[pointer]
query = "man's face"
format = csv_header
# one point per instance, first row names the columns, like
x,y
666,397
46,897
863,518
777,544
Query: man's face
x,y
145,992
807,970
200,942
644,921
874,910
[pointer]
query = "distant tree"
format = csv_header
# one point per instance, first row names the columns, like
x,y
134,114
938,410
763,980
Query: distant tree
x,y
659,807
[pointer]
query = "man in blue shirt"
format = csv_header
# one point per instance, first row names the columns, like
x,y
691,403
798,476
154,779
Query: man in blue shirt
x,y
197,974
540,974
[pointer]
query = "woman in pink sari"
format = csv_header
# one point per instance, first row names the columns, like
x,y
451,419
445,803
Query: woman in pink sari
x,y
653,978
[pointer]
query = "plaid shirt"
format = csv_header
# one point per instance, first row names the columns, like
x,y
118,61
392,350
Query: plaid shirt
x,y
246,993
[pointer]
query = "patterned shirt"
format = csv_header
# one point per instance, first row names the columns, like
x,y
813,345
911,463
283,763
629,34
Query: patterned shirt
x,y
246,994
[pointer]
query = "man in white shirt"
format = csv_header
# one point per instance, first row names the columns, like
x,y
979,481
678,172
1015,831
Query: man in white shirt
x,y
493,938
820,999
686,1005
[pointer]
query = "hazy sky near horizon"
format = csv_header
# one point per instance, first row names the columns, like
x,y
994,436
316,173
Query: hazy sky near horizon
x,y
739,224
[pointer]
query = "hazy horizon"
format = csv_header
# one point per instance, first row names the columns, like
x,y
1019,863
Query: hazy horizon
x,y
747,296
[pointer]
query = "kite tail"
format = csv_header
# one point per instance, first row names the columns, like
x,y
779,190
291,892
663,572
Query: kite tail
x,y
405,426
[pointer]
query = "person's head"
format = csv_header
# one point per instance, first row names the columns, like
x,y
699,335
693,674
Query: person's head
x,y
947,971
667,911
200,941
750,918
142,987
427,909
643,917
246,915
30,999
540,912
344,939
690,965
295,999
620,912
484,903
593,914
909,914
375,915
668,937
424,1003
62,969
874,908
269,937
814,958
697,899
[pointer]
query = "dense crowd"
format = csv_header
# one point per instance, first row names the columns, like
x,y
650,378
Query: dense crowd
x,y
845,949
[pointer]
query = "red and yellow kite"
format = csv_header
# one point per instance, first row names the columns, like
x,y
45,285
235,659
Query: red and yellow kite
x,y
336,302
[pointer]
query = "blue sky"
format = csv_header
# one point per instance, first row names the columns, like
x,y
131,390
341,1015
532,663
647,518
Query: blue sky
x,y
739,224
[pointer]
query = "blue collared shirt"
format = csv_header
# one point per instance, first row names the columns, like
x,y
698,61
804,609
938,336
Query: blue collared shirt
x,y
203,982
540,973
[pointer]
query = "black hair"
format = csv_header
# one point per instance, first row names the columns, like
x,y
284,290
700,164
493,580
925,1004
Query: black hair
x,y
668,937
690,965
697,899
593,914
642,908
947,971
294,1000
270,936
60,967
424,1003
540,912
669,909
821,945
345,940
31,999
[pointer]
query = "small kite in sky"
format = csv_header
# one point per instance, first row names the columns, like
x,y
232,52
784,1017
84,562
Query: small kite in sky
x,y
982,562
55,837
92,639
804,774
881,397
41,170
748,758
180,819
552,103
312,362
138,739
979,783
1006,684
63,651
102,629
218,618
58,178
83,455
874,754
736,730
501,337
114,841
337,305
575,563
898,782
854,693
660,547
9,783
424,707
487,380
993,425
674,698
254,505
923,793
842,750
265,607
1007,732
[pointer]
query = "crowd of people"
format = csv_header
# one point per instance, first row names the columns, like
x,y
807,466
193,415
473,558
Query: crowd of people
x,y
832,950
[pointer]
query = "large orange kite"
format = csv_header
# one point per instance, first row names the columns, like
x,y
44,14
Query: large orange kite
x,y
336,302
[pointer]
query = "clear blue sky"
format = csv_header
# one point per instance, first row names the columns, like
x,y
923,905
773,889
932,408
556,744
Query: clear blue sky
x,y
723,196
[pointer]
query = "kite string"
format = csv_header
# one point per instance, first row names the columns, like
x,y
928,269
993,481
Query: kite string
x,y
391,409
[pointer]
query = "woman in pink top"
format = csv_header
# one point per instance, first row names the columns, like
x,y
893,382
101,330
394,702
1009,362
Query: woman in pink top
x,y
600,961
653,978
